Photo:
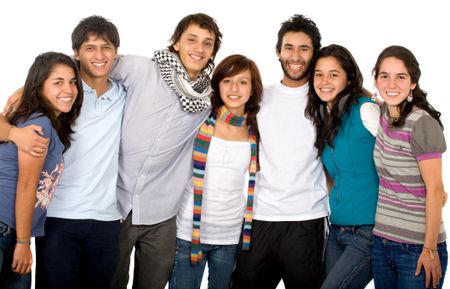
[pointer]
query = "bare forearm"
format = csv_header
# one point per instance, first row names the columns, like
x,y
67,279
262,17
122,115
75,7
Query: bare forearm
x,y
25,200
29,171
433,217
5,129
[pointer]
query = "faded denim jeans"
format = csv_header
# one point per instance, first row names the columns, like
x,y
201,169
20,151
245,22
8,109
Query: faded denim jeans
x,y
220,259
348,257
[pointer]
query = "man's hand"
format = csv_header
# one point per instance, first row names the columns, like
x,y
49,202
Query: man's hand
x,y
29,139
12,102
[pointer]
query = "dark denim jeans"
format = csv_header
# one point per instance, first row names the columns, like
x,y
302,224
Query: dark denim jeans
x,y
394,264
77,254
348,257
8,278
220,260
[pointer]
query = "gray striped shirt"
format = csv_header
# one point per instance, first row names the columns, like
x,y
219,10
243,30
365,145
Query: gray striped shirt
x,y
401,201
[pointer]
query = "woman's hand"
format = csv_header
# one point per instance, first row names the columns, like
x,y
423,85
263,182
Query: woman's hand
x,y
429,260
22,259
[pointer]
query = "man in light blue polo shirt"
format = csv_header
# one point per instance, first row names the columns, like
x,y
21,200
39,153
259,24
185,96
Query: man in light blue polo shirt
x,y
81,243
81,246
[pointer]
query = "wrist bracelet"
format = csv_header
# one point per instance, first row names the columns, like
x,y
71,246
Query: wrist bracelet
x,y
21,242
429,251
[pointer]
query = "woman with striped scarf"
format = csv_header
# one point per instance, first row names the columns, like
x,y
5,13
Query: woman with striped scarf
x,y
215,209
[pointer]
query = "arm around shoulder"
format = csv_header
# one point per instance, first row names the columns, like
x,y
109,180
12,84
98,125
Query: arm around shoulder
x,y
5,129
370,116
28,139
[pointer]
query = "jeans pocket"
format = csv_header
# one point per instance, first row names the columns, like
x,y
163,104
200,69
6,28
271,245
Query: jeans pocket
x,y
414,250
442,250
5,230
366,235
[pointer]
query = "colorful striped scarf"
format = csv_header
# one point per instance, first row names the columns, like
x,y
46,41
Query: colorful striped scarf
x,y
200,154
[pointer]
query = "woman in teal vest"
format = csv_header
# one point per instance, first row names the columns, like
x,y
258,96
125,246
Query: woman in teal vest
x,y
346,122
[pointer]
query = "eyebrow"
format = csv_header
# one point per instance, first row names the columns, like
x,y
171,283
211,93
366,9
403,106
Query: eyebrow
x,y
61,78
195,35
56,78
333,70
301,46
401,73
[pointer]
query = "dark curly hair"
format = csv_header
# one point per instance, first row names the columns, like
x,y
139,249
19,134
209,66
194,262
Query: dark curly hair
x,y
300,23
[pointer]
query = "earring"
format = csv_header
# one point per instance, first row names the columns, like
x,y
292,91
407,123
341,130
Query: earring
x,y
409,98
374,97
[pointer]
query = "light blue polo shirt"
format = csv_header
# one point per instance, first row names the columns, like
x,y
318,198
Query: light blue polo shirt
x,y
87,189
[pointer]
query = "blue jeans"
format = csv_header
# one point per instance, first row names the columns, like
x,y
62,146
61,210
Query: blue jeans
x,y
348,257
220,260
8,278
394,264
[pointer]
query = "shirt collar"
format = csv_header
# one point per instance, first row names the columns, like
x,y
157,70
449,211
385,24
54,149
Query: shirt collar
x,y
108,95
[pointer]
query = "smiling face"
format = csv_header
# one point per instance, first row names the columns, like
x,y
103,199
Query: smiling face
x,y
394,83
195,48
295,56
329,79
235,91
96,56
60,88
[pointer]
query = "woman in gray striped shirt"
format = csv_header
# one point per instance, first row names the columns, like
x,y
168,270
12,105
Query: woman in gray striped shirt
x,y
409,249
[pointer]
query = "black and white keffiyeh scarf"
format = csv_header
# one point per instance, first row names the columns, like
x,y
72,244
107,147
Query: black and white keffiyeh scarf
x,y
195,96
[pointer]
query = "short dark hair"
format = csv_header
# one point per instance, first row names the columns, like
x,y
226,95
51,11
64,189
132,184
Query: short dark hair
x,y
33,101
205,22
97,26
300,23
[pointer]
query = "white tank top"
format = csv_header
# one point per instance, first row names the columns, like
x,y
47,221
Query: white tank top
x,y
224,195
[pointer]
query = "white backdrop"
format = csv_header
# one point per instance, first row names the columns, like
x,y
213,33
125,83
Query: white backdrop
x,y
28,28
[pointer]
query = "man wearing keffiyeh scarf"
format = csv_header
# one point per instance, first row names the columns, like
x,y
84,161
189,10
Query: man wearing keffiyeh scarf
x,y
168,98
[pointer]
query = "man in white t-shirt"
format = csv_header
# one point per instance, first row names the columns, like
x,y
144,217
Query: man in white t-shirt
x,y
291,196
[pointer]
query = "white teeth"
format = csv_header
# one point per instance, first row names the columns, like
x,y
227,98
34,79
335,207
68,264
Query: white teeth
x,y
295,66
65,99
196,57
326,89
99,64
392,93
234,97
